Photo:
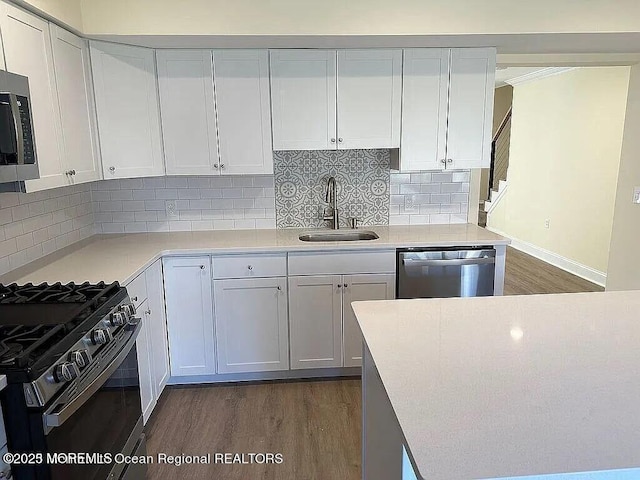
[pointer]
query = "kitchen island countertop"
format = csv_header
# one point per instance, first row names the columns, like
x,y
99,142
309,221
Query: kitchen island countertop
x,y
507,386
121,257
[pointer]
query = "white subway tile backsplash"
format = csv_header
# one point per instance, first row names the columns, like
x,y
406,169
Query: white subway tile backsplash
x,y
201,203
35,224
428,197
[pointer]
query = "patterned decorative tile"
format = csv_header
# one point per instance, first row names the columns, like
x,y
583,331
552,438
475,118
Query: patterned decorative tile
x,y
362,180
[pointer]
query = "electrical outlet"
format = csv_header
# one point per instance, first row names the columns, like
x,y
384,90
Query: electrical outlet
x,y
408,201
636,195
547,223
170,208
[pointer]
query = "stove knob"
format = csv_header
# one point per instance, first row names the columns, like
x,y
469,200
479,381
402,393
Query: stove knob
x,y
82,358
129,309
65,372
101,336
118,319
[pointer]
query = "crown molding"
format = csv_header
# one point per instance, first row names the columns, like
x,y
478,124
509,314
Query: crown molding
x,y
537,75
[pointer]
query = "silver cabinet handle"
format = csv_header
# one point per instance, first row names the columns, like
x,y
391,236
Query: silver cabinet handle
x,y
340,140
449,160
201,267
443,161
222,166
112,169
448,263
72,172
279,287
333,140
215,165
249,267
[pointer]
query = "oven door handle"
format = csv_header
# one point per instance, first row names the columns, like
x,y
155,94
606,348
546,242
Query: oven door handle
x,y
448,263
58,418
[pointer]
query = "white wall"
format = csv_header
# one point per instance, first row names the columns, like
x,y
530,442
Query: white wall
x,y
624,260
566,138
377,17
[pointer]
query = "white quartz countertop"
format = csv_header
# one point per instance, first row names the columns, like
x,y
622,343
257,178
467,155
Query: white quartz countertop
x,y
121,257
511,386
3,381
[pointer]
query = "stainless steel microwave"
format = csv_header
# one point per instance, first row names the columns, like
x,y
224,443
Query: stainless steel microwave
x,y
18,161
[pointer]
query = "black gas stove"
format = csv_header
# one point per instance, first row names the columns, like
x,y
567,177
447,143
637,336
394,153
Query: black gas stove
x,y
69,354
39,323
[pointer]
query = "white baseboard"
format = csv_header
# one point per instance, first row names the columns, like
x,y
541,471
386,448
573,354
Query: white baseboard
x,y
566,264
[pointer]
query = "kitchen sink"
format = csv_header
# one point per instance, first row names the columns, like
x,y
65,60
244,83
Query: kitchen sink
x,y
338,235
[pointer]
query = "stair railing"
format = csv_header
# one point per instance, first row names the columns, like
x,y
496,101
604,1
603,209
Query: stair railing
x,y
500,151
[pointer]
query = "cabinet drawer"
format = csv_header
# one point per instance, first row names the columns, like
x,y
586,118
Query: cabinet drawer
x,y
247,266
335,263
137,289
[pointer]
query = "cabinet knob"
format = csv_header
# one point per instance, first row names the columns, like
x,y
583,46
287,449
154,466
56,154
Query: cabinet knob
x,y
72,172
134,299
148,312
443,161
112,169
346,285
222,166
279,287
449,160
201,267
340,140
215,165
333,140
249,267
339,285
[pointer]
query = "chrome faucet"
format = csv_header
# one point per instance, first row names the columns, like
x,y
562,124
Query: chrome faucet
x,y
331,199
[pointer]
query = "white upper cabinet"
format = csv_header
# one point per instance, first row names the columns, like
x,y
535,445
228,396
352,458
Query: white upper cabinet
x,y
75,95
185,79
323,99
128,111
303,99
369,98
244,118
470,121
424,108
28,52
447,108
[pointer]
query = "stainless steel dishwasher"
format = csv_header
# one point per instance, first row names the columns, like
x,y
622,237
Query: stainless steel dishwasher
x,y
445,272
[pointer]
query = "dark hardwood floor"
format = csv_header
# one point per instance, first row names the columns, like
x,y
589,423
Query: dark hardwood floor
x,y
526,275
315,425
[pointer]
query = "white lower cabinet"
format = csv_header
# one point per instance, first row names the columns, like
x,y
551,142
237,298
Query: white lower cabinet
x,y
324,330
360,288
143,347
157,328
189,307
252,333
315,306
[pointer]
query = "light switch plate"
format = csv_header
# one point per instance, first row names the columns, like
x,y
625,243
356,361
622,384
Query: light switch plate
x,y
636,195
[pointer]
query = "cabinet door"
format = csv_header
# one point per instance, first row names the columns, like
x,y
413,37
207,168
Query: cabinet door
x,y
252,333
303,99
144,351
359,288
369,98
158,330
189,303
425,81
27,50
185,79
127,107
315,311
244,117
471,90
75,96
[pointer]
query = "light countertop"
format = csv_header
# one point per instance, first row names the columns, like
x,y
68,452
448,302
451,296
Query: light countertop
x,y
511,386
121,257
3,381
